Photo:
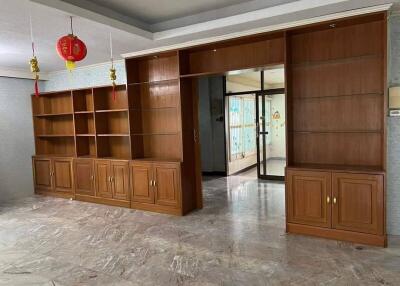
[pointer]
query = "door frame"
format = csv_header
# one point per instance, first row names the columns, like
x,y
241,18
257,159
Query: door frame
x,y
256,93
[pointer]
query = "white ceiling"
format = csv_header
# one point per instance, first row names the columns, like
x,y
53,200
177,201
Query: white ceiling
x,y
139,25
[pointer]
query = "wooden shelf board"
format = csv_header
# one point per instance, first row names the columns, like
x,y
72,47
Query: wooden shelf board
x,y
336,61
368,169
154,109
154,159
114,158
84,112
336,131
112,110
54,155
86,156
335,96
55,135
53,114
155,134
85,135
157,82
112,135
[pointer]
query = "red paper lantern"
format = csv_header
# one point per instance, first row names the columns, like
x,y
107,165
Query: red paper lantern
x,y
71,49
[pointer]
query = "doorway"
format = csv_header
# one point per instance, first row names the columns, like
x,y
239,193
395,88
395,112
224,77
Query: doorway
x,y
255,122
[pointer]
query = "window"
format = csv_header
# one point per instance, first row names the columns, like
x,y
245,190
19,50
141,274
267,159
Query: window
x,y
242,126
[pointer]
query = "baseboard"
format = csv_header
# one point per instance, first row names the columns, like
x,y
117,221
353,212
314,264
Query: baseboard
x,y
55,194
215,173
104,201
244,170
343,235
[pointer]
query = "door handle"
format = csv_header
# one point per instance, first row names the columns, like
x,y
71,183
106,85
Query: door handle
x,y
328,199
92,177
334,200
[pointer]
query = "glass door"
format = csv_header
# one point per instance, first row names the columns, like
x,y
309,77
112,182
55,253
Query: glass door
x,y
269,165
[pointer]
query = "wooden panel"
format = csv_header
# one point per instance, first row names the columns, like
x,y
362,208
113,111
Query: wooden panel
x,y
359,76
83,100
63,175
56,125
153,68
64,146
158,146
354,149
219,59
52,103
339,42
84,124
84,176
167,184
150,121
42,173
307,194
141,177
353,113
86,146
120,180
113,147
160,95
359,203
102,178
103,98
112,123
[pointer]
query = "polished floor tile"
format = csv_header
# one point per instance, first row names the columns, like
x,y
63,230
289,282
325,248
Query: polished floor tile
x,y
238,238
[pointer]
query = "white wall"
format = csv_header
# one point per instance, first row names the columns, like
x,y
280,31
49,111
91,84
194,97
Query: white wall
x,y
16,143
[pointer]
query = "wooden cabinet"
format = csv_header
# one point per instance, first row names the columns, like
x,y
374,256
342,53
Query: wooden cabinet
x,y
309,195
157,184
167,184
42,173
358,202
336,204
103,175
84,176
120,180
142,183
62,175
53,175
112,179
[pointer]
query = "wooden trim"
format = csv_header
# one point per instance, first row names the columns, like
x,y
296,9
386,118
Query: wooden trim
x,y
55,194
343,235
157,208
104,201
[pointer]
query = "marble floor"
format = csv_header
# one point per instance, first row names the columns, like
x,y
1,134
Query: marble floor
x,y
237,239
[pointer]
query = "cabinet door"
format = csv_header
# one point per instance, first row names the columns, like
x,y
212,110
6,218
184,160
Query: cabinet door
x,y
141,178
84,177
309,197
120,180
62,175
167,184
42,174
102,178
358,202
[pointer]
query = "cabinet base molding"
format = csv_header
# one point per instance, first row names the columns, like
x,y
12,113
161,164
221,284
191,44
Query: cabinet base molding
x,y
55,194
104,201
356,237
156,208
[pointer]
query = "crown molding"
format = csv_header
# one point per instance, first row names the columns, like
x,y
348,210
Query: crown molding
x,y
21,73
284,26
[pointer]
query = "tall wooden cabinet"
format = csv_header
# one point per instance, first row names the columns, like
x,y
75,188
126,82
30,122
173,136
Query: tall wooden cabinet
x,y
336,101
126,150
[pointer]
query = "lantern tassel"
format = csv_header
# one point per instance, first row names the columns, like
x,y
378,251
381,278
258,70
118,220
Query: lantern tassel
x,y
36,86
114,95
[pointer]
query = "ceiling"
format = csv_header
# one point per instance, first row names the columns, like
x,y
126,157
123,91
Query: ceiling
x,y
143,25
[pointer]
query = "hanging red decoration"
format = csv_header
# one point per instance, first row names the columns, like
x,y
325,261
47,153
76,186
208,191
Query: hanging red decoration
x,y
34,62
71,49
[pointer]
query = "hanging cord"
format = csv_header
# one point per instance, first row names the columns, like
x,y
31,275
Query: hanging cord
x,y
72,29
113,75
34,62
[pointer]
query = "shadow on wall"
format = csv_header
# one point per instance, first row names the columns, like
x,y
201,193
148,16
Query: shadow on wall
x,y
17,143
